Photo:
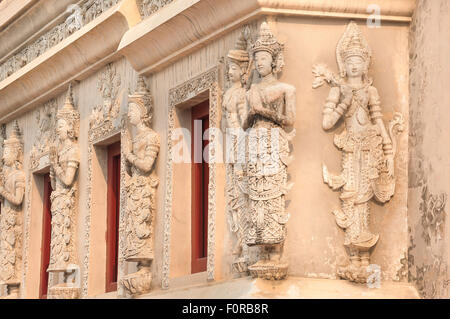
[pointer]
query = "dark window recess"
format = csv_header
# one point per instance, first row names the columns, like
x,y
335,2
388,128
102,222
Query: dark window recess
x,y
46,237
113,206
200,179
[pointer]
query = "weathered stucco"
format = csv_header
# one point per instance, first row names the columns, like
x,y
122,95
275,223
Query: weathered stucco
x,y
429,149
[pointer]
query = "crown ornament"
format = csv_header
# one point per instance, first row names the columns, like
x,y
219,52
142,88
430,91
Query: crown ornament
x,y
68,112
239,54
15,139
142,98
267,41
352,43
15,142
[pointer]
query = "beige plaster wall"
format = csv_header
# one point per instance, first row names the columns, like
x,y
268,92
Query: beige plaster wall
x,y
429,141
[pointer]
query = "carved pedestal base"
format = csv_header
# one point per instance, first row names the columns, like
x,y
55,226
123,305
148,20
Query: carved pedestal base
x,y
240,265
268,269
358,274
12,291
137,283
63,291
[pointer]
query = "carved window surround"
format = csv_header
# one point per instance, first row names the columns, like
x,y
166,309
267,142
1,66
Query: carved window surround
x,y
99,137
210,19
188,94
38,164
34,203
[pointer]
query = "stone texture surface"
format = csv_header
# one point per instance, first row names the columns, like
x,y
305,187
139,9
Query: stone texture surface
x,y
429,143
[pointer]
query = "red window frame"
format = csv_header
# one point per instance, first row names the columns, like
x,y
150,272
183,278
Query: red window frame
x,y
46,237
113,208
199,199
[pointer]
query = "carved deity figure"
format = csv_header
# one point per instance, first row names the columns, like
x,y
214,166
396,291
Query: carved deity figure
x,y
12,187
367,147
140,154
64,163
271,113
235,110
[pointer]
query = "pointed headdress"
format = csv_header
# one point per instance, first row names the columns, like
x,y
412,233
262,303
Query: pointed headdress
x,y
15,141
267,41
352,43
68,112
143,99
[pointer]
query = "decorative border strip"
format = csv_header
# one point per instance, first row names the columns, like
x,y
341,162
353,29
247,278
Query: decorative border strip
x,y
26,234
208,80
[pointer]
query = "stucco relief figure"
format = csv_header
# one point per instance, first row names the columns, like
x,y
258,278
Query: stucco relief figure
x,y
367,147
140,153
271,114
12,188
235,111
64,163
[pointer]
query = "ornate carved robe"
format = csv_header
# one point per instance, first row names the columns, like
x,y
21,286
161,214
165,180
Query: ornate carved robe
x,y
11,230
363,176
62,247
141,190
267,163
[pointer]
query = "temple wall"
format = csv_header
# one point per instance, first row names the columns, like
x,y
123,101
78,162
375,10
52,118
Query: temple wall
x,y
429,163
314,246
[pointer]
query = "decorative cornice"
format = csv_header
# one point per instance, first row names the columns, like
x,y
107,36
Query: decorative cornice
x,y
184,26
74,58
11,9
31,19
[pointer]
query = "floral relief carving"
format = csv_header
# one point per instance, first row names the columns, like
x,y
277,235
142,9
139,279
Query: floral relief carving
x,y
103,116
64,163
140,153
368,147
12,189
78,16
46,120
